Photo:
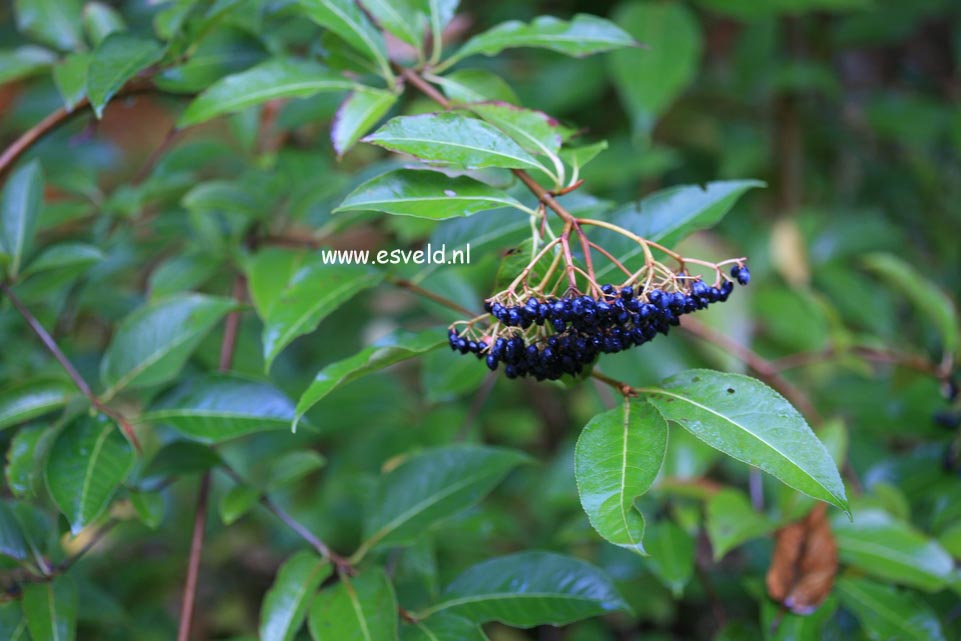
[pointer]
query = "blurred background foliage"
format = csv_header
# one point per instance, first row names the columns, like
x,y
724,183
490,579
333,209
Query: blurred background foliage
x,y
847,109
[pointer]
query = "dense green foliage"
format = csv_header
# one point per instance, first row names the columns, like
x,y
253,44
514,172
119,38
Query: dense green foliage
x,y
209,425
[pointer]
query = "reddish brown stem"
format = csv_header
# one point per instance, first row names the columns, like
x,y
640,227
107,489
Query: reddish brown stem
x,y
193,563
229,343
440,300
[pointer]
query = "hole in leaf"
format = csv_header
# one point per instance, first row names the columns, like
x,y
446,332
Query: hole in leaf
x,y
730,390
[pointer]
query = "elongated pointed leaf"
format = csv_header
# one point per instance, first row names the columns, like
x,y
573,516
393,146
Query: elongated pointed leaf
x,y
100,20
19,209
24,471
452,139
12,541
425,194
13,625
236,502
217,408
528,589
877,543
116,60
315,290
383,353
22,401
55,22
357,115
75,256
582,36
152,344
51,609
286,603
476,85
346,19
923,295
87,463
533,130
671,555
746,419
617,458
269,272
70,76
24,62
886,613
732,521
431,486
277,78
443,627
363,608
403,19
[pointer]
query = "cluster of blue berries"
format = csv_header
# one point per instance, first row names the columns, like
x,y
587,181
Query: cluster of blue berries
x,y
570,332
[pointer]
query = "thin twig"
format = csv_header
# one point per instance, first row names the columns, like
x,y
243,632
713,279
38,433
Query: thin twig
x,y
94,540
229,343
193,563
168,140
440,300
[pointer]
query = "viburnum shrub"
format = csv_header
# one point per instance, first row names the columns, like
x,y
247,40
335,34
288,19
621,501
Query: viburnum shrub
x,y
163,308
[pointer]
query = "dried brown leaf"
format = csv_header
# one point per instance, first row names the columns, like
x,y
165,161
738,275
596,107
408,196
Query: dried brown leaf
x,y
804,564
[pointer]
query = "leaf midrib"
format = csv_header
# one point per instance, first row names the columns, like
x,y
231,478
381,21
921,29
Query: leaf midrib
x,y
88,474
395,139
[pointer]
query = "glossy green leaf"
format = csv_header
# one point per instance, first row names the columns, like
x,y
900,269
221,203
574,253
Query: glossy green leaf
x,y
269,272
100,20
293,466
403,19
886,613
357,115
219,407
425,194
746,419
24,62
475,85
443,627
12,541
452,139
55,22
533,130
650,79
277,78
880,545
181,457
13,625
153,343
346,19
76,256
28,399
617,458
584,35
732,521
286,602
182,272
51,609
19,208
363,607
24,470
577,157
315,290
928,299
390,349
85,467
236,502
671,558
528,589
150,508
430,486
116,60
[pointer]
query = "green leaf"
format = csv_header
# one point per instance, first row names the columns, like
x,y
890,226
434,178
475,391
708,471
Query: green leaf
x,y
24,468
671,558
268,273
443,627
87,463
475,85
431,486
649,80
70,76
29,399
452,139
928,299
150,508
101,20
293,466
732,521
180,458
670,215
277,78
315,290
236,502
12,541
363,607
286,602
882,546
533,130
747,420
583,36
116,60
13,626
401,18
181,273
19,210
346,19
578,157
616,460
76,256
24,62
886,613
153,343
390,349
218,407
51,609
55,22
357,115
425,194
528,589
